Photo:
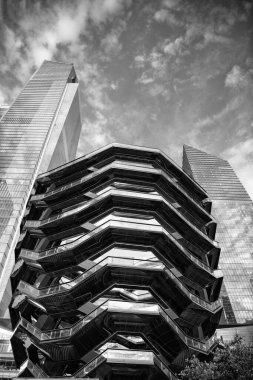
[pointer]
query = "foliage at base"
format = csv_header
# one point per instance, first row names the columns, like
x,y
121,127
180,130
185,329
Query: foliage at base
x,y
233,361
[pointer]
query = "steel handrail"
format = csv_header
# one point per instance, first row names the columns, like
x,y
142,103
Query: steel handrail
x,y
118,192
109,260
100,358
69,332
121,165
65,332
68,246
126,262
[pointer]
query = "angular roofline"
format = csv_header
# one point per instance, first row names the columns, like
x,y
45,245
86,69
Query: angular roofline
x,y
185,146
57,62
126,146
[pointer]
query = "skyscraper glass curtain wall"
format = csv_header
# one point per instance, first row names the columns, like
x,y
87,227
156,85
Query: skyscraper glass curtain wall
x,y
3,109
233,210
39,131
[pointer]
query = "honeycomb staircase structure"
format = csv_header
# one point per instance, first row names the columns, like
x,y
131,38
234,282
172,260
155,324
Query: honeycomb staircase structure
x,y
116,273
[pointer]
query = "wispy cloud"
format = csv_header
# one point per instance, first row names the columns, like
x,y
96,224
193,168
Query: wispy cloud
x,y
236,78
54,32
158,73
144,79
240,157
65,31
96,134
111,43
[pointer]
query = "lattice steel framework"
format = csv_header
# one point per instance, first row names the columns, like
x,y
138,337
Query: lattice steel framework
x,y
116,269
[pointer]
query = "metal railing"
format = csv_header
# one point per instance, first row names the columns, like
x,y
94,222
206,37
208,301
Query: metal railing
x,y
28,254
127,357
122,193
123,263
33,368
124,165
63,333
8,373
120,307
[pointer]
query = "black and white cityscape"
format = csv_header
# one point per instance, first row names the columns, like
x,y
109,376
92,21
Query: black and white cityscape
x,y
126,210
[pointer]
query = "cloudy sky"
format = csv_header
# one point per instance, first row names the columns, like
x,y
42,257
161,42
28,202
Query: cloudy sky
x,y
153,73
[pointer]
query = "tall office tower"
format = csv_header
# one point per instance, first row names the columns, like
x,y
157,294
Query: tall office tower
x,y
116,272
7,364
38,132
233,210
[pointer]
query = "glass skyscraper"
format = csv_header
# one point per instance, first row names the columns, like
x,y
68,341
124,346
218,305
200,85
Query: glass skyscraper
x,y
38,132
233,209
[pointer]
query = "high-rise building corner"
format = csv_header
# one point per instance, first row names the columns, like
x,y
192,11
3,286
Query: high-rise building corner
x,y
39,131
232,208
